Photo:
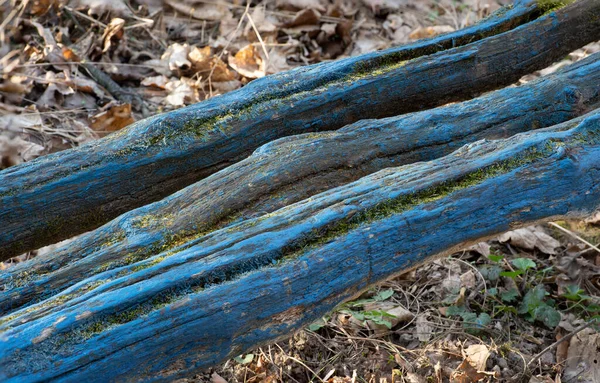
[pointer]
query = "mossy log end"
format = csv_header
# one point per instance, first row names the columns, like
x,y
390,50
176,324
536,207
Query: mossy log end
x,y
67,193
263,278
294,168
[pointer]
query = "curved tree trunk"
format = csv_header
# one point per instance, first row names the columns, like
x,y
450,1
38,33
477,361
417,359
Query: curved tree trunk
x,y
258,280
67,193
294,168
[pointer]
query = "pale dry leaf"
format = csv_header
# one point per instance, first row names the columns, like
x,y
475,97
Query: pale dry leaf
x,y
114,31
477,355
366,42
226,86
159,81
482,248
180,92
177,57
594,219
529,238
302,4
248,62
216,378
379,6
100,7
200,11
427,32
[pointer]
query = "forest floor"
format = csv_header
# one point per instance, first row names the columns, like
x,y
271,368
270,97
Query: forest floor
x,y
518,308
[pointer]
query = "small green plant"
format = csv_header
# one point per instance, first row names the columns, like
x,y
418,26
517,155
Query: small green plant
x,y
472,322
536,307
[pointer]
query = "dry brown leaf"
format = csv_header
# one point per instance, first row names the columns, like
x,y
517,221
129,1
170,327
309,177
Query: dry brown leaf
x,y
100,7
305,17
113,32
248,62
427,32
302,4
583,359
115,118
15,150
594,219
465,373
201,11
205,63
529,238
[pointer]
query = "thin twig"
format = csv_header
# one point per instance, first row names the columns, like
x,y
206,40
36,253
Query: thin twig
x,y
575,236
558,342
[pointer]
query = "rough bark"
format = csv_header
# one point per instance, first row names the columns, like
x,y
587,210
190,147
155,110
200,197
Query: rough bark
x,y
67,193
263,278
294,168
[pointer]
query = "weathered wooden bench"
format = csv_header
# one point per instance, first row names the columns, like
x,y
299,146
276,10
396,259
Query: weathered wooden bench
x,y
260,248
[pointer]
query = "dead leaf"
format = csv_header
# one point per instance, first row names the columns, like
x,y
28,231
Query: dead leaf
x,y
113,32
100,7
529,238
583,359
180,92
427,32
216,378
379,6
248,62
465,373
15,150
115,118
205,64
305,17
177,57
483,248
477,355
159,81
214,12
302,4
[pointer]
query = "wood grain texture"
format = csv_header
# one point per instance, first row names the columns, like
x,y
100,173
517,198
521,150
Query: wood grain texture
x,y
294,168
263,278
64,194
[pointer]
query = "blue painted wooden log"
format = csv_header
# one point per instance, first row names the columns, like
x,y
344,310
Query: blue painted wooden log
x,y
67,193
294,168
264,278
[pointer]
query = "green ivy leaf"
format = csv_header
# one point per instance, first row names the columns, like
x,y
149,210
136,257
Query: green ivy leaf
x,y
511,274
548,315
510,295
316,325
523,264
495,258
383,295
532,300
490,272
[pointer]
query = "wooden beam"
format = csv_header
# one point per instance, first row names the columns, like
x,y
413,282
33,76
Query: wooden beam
x,y
67,193
294,168
266,277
